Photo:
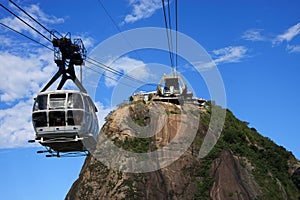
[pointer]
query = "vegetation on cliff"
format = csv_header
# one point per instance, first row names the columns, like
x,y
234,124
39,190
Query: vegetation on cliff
x,y
270,161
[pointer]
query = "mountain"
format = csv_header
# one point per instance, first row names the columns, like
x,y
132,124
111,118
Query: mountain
x,y
242,164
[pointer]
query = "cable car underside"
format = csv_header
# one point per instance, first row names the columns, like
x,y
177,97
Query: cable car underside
x,y
66,145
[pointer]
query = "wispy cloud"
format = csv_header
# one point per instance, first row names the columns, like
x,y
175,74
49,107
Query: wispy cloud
x,y
20,80
230,54
293,48
36,12
141,9
103,112
288,35
253,35
16,127
285,38
134,68
23,76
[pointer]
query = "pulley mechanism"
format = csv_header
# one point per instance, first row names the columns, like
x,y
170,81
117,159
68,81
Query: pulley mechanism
x,y
67,53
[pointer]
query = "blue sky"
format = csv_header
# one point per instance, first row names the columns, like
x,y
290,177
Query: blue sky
x,y
255,45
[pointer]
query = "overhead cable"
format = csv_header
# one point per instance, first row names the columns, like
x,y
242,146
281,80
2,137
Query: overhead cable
x,y
176,40
167,32
26,36
90,60
25,22
118,29
32,18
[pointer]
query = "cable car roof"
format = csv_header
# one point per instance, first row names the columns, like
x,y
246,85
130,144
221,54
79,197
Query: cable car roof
x,y
61,92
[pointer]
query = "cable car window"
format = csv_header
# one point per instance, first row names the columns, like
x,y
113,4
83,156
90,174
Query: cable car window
x,y
57,118
86,105
40,103
172,82
75,117
57,101
96,125
75,101
39,119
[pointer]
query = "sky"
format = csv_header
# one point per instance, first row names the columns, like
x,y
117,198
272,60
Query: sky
x,y
254,44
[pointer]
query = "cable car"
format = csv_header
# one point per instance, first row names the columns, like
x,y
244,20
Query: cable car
x,y
65,120
173,89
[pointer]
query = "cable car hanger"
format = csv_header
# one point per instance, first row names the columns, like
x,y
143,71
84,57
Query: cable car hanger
x,y
66,55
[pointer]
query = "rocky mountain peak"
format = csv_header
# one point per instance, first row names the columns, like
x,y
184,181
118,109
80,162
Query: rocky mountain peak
x,y
242,164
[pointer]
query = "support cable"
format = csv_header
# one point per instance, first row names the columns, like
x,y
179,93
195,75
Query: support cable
x,y
170,32
36,21
98,64
110,17
166,24
118,29
176,40
26,36
116,72
25,22
109,77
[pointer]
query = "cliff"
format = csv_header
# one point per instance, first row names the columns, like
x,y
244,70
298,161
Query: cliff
x,y
242,164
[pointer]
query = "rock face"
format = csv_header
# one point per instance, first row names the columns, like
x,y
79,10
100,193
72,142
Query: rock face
x,y
232,170
233,178
296,177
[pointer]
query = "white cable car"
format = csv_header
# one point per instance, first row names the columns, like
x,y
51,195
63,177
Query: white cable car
x,y
172,88
65,120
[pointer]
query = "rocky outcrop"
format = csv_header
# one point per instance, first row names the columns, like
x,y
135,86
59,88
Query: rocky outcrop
x,y
233,178
97,181
231,171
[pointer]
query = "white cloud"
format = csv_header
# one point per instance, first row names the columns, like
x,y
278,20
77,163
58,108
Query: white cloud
x,y
21,77
102,112
35,12
129,66
142,9
288,35
203,66
253,35
87,41
5,41
24,70
15,125
293,48
20,80
230,54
